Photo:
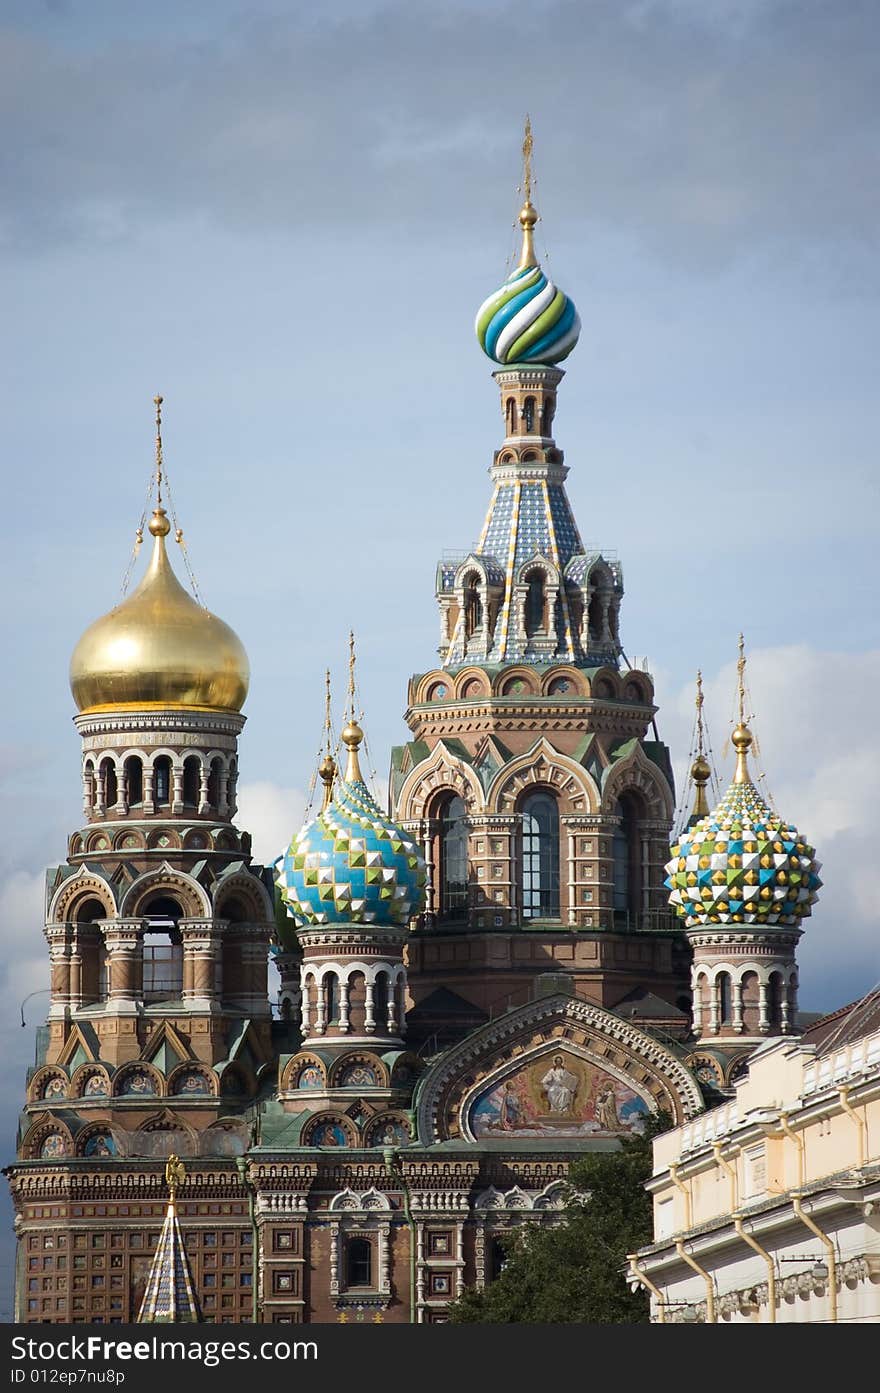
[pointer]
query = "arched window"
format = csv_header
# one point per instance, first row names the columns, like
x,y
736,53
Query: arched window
x,y
111,789
191,781
331,999
540,857
89,784
722,986
529,414
134,776
627,858
359,1263
473,606
535,604
214,783
547,417
774,999
162,779
595,617
453,860
510,415
162,951
380,998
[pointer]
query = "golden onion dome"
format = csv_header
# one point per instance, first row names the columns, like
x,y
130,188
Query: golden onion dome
x,y
159,647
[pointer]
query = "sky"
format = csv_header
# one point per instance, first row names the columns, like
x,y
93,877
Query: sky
x,y
283,218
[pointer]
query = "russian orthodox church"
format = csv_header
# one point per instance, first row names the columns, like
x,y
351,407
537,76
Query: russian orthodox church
x,y
502,970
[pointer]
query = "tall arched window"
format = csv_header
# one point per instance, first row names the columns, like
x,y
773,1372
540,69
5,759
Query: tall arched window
x,y
359,1264
380,998
453,860
134,776
331,998
214,783
535,604
627,857
774,999
510,415
725,1009
529,414
473,606
540,857
163,951
111,789
162,779
191,781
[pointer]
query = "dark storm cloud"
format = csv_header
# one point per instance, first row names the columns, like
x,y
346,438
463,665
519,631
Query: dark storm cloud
x,y
697,128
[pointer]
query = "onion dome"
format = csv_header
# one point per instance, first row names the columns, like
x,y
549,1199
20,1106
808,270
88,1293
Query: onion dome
x,y
159,647
741,864
529,320
351,864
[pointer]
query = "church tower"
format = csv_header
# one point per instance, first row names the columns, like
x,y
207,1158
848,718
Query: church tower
x,y
158,928
534,779
741,880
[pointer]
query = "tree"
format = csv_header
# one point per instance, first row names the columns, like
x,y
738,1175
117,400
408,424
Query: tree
x,y
573,1271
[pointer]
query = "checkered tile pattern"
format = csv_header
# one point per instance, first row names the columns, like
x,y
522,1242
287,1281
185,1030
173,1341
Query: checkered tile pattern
x,y
742,865
351,865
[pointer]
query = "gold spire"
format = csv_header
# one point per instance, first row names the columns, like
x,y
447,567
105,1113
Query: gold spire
x,y
742,736
352,735
527,214
159,524
700,769
327,767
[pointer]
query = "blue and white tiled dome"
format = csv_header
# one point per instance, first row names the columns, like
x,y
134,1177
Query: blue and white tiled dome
x,y
741,864
351,864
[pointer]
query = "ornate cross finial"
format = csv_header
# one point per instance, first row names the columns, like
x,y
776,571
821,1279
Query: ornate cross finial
x,y
327,767
699,705
527,160
741,671
327,725
157,400
175,1174
351,663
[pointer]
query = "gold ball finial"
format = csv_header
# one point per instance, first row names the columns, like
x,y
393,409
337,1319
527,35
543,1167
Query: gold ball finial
x,y
352,735
700,770
742,738
159,525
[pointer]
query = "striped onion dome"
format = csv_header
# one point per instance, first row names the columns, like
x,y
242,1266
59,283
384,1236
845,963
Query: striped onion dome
x,y
529,320
741,864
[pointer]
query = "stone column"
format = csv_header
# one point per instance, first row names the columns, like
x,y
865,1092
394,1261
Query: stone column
x,y
344,987
149,805
204,774
122,791
697,1003
176,788
306,1004
714,1013
59,939
124,964
369,1007
200,947
101,783
572,877
737,991
222,784
764,1008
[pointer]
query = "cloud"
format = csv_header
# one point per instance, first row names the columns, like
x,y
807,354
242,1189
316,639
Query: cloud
x,y
272,814
820,757
700,129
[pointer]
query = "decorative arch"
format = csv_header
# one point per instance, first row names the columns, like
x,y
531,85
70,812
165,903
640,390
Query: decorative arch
x,y
49,1084
578,683
605,684
98,1141
192,1080
516,682
467,678
245,887
85,884
330,1130
82,1085
304,1073
138,1080
543,765
162,1134
345,1072
389,1129
441,772
498,1050
425,690
225,1138
349,1199
44,1127
166,880
637,773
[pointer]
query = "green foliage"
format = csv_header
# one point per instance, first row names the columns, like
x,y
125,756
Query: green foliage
x,y
573,1271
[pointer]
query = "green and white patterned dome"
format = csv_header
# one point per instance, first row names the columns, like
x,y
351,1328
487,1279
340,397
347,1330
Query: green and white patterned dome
x,y
351,864
742,864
